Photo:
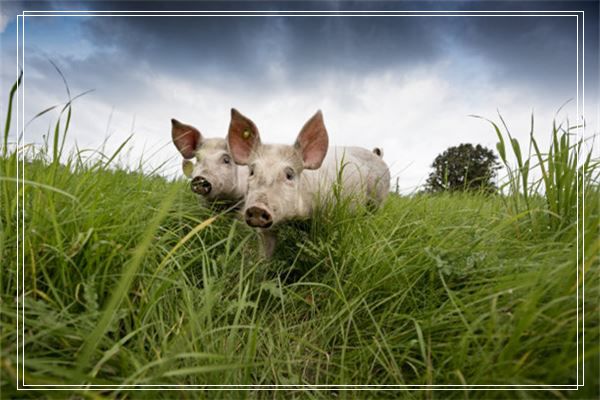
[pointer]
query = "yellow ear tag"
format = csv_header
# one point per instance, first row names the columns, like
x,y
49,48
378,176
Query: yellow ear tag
x,y
246,134
188,168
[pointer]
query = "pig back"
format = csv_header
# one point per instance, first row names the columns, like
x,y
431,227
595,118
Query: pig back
x,y
363,175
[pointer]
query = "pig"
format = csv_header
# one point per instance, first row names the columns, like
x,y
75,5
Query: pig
x,y
208,162
288,182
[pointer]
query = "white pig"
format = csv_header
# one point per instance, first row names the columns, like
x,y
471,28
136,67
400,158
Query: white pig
x,y
209,164
289,181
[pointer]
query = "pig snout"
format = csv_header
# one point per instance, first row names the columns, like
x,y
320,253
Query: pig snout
x,y
200,185
258,217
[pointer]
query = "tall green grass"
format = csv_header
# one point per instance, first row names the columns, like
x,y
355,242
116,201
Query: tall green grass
x,y
130,281
567,170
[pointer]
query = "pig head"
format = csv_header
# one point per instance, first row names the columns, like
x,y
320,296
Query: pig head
x,y
289,181
209,164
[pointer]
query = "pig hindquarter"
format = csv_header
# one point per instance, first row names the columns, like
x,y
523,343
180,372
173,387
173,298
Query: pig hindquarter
x,y
364,177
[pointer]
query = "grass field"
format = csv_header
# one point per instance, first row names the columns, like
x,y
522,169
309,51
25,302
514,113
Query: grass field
x,y
128,281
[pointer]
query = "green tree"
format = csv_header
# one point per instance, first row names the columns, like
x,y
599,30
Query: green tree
x,y
463,167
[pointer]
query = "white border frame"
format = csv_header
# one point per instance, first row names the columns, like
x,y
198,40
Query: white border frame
x,y
21,385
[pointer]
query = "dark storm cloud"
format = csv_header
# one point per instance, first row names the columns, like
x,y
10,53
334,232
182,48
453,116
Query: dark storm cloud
x,y
532,50
246,49
260,53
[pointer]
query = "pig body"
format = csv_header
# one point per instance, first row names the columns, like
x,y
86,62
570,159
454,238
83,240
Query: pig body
x,y
208,162
289,181
364,177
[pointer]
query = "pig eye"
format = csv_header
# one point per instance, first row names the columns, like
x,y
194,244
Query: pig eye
x,y
289,174
251,170
226,159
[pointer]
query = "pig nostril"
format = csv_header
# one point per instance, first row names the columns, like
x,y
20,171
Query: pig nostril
x,y
258,217
200,185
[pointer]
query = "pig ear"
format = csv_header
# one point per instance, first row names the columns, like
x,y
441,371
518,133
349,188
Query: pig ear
x,y
242,138
187,139
313,141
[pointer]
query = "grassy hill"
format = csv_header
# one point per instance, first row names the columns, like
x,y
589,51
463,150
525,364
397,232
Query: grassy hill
x,y
128,280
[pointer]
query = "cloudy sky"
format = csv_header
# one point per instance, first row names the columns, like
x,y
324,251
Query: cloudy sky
x,y
406,83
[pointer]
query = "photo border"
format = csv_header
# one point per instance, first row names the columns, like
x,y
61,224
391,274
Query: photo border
x,y
21,385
